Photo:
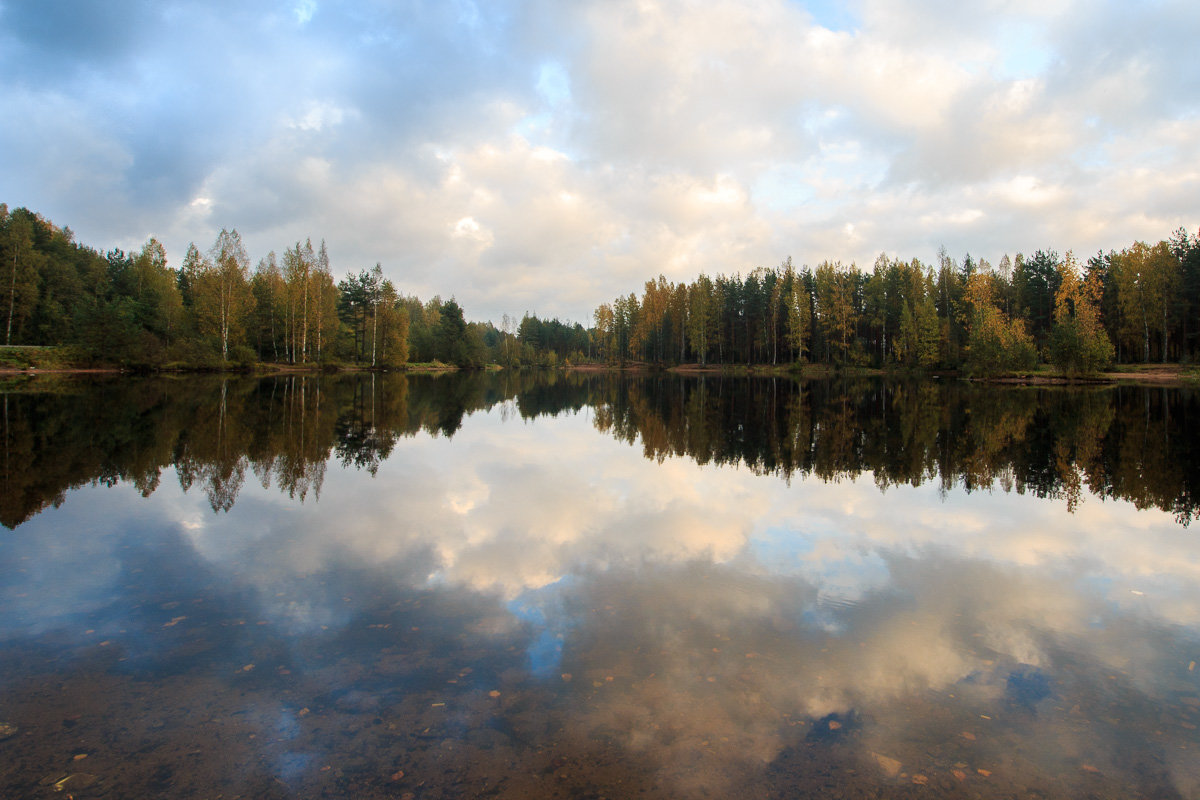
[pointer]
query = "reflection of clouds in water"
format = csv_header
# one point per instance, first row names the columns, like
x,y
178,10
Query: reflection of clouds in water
x,y
698,674
1131,548
511,507
516,506
64,564
699,609
501,507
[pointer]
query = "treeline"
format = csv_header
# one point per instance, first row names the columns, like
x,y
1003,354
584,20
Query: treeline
x,y
1139,304
215,309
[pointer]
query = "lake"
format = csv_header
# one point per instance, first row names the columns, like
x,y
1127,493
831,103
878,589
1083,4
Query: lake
x,y
587,585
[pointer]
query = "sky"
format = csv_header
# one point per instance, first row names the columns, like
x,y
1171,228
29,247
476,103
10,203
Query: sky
x,y
544,157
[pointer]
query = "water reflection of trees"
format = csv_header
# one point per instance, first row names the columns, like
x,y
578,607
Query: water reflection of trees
x,y
1127,442
1124,442
216,430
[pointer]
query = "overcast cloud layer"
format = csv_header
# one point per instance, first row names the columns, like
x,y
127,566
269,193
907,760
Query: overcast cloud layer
x,y
545,156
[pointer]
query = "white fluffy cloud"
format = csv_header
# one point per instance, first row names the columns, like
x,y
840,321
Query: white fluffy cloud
x,y
547,157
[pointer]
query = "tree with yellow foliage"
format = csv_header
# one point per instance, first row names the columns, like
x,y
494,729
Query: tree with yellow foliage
x,y
222,291
1078,342
1146,278
994,343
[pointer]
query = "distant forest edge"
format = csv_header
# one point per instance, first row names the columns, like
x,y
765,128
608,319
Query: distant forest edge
x,y
1139,305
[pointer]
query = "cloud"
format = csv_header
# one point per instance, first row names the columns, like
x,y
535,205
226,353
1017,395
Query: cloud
x,y
599,144
58,39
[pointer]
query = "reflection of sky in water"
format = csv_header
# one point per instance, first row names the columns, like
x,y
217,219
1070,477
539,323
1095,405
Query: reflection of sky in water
x,y
541,609
701,601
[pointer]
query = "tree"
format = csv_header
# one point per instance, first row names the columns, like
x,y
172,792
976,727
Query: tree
x,y
994,344
392,331
311,300
20,263
354,306
325,319
270,306
222,291
752,308
1100,272
1187,307
189,273
1036,282
422,328
1005,273
777,307
1144,277
799,317
949,300
604,328
879,296
677,314
700,317
374,295
1165,267
1078,342
836,307
651,329
155,291
451,335
625,319
917,340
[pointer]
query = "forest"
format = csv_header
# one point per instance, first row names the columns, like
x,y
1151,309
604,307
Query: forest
x,y
1139,305
135,310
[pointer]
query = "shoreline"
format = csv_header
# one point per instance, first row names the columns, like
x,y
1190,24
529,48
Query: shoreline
x,y
257,369
1154,375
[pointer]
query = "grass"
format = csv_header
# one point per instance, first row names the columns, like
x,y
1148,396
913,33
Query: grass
x,y
27,357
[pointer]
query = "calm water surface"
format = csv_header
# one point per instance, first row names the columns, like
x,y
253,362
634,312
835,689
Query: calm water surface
x,y
587,586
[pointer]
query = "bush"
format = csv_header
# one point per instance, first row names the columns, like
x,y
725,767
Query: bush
x,y
1074,350
996,346
29,357
194,353
242,355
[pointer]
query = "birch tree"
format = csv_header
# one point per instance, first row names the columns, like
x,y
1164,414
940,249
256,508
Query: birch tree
x,y
1145,278
21,278
222,290
799,318
270,304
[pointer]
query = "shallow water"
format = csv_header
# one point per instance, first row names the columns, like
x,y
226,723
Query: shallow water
x,y
596,587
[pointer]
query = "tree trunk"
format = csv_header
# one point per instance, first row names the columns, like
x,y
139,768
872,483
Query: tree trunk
x,y
12,297
1145,340
774,339
320,319
374,328
223,314
304,329
1164,334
